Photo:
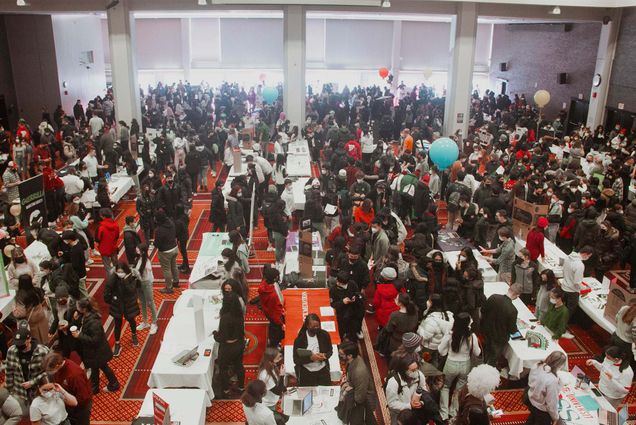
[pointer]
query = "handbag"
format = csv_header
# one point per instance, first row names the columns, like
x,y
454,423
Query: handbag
x,y
383,342
346,402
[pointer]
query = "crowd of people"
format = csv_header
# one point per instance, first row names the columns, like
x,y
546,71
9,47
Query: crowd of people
x,y
441,338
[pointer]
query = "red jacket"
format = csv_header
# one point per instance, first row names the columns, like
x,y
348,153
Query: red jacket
x,y
270,303
384,302
352,148
534,244
51,180
108,235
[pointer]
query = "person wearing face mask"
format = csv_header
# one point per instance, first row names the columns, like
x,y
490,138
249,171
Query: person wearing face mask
x,y
616,375
271,372
279,174
72,378
498,322
231,339
346,300
145,205
406,389
20,265
379,241
49,407
169,195
120,293
572,216
555,215
542,396
287,195
11,180
437,271
312,369
196,165
359,189
360,382
24,365
64,306
557,316
235,215
77,260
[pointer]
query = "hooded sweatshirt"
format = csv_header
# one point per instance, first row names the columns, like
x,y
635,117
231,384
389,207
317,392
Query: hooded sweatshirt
x,y
107,235
544,390
270,302
573,269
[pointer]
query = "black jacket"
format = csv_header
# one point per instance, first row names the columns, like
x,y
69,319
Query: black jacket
x,y
95,351
168,198
235,217
181,227
217,207
165,236
121,296
146,208
499,318
324,345
131,241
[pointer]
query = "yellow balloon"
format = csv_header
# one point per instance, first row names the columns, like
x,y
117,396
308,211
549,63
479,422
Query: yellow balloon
x,y
542,98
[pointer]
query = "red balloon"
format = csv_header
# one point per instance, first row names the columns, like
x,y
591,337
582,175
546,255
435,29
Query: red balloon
x,y
384,72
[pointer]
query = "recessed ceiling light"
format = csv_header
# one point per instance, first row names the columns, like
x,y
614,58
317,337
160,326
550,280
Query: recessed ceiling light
x,y
555,11
203,3
21,3
386,3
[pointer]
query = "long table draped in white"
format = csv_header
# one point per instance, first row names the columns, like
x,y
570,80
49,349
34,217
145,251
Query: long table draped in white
x,y
519,355
187,406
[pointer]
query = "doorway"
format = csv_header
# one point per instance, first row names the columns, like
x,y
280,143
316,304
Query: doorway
x,y
577,114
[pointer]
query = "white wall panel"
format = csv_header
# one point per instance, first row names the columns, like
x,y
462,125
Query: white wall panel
x,y
158,43
358,43
205,40
315,40
254,42
425,45
483,44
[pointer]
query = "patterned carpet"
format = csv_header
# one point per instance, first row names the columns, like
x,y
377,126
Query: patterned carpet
x,y
133,366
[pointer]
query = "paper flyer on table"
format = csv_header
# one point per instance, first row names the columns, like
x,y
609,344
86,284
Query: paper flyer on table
x,y
329,326
326,311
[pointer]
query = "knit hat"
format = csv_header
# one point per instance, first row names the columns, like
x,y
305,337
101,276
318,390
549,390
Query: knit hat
x,y
388,273
412,341
542,222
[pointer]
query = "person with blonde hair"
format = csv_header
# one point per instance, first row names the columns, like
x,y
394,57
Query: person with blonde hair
x,y
476,395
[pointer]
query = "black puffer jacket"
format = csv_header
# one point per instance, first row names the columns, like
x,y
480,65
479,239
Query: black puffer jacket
x,y
94,346
121,296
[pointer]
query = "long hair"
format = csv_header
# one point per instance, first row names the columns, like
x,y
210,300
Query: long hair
x,y
254,393
461,331
231,305
470,257
550,278
236,239
143,248
406,301
313,317
554,362
267,362
280,161
227,252
618,353
437,304
89,305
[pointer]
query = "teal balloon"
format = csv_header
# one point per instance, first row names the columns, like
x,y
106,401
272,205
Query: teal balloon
x,y
444,152
270,94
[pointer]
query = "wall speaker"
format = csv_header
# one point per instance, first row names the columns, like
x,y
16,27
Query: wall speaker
x,y
562,78
503,66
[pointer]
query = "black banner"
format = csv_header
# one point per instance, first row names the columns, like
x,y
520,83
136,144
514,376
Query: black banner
x,y
32,201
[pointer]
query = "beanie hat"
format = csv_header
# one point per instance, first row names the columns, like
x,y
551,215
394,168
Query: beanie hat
x,y
411,341
388,273
542,222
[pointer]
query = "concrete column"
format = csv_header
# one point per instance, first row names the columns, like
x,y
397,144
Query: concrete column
x,y
186,51
294,18
396,55
121,35
604,62
460,74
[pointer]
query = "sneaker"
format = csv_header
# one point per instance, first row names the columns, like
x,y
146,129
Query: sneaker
x,y
89,261
112,388
96,253
153,329
360,335
270,248
567,335
135,340
166,291
142,326
117,349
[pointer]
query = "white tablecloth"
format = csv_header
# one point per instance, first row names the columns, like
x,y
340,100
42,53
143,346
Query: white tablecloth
x,y
553,260
325,399
334,362
487,272
518,354
118,185
210,252
298,166
298,188
234,172
6,304
590,303
299,147
124,173
186,406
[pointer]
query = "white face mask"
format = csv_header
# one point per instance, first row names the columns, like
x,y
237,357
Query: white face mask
x,y
121,274
413,374
360,180
462,258
199,148
553,301
374,230
48,394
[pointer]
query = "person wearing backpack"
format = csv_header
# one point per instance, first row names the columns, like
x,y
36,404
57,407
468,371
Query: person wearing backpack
x,y
453,195
406,389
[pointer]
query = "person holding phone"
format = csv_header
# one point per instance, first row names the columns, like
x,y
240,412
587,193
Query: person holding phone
x,y
346,300
312,350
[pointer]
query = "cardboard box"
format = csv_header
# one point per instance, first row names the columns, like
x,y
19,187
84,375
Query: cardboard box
x,y
305,259
618,296
525,216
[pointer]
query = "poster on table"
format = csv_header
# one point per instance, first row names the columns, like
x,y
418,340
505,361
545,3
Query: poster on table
x,y
32,203
161,410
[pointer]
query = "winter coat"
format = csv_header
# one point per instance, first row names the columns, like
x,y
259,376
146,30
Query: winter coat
x,y
235,218
168,198
165,236
131,241
384,302
121,296
270,303
433,328
146,208
95,351
217,208
108,235
587,233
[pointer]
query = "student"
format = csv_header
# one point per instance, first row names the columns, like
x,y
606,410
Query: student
x,y
272,306
547,281
573,272
401,321
312,369
436,323
498,322
231,339
256,413
73,379
131,239
271,371
505,254
616,375
525,272
361,382
543,390
143,271
49,407
556,318
120,294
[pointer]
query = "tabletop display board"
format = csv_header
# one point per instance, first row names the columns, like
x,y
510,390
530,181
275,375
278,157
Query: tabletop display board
x,y
525,215
617,297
